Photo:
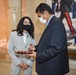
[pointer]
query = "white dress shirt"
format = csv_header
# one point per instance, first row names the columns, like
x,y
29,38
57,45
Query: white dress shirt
x,y
24,38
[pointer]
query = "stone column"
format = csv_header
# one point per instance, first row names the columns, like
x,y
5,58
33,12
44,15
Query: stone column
x,y
14,13
14,10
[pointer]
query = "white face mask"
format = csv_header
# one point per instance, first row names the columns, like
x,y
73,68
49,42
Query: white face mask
x,y
42,20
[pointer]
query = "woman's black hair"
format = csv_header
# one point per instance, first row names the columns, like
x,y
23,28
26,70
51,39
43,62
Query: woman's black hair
x,y
43,7
20,28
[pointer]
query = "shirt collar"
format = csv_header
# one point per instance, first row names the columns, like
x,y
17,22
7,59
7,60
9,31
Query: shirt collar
x,y
49,20
24,34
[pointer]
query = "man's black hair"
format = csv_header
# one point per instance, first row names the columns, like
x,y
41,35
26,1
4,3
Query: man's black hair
x,y
43,7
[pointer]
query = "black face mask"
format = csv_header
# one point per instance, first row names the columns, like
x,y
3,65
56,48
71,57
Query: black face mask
x,y
26,27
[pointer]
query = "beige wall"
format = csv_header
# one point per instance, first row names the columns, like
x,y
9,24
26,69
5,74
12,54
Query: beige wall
x,y
49,2
3,23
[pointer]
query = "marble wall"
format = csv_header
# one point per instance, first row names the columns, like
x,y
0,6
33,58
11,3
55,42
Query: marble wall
x,y
14,13
10,14
3,23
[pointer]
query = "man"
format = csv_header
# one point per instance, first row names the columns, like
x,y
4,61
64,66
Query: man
x,y
51,52
74,9
65,7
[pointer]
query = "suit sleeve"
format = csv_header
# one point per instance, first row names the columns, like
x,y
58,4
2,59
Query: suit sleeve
x,y
31,60
56,45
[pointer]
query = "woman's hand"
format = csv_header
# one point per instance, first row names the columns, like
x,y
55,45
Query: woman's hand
x,y
25,66
21,65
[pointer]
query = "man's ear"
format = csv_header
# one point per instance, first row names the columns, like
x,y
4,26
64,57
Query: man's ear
x,y
45,12
39,14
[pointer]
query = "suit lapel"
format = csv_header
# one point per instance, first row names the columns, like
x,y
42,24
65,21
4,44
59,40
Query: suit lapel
x,y
51,21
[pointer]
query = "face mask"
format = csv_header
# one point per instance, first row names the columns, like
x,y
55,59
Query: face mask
x,y
26,27
42,20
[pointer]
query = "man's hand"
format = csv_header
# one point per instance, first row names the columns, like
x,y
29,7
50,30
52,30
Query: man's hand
x,y
31,47
33,55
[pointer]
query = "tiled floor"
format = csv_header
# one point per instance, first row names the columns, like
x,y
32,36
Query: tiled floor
x,y
6,65
5,68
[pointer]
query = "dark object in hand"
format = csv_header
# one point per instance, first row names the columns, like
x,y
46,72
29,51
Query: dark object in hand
x,y
23,52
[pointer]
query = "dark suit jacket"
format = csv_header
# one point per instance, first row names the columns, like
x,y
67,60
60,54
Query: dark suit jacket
x,y
52,53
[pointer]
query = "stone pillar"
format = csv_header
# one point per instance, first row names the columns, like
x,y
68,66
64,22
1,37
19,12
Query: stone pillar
x,y
25,7
14,13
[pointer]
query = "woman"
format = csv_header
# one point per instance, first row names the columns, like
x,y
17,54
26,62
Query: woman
x,y
20,40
